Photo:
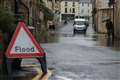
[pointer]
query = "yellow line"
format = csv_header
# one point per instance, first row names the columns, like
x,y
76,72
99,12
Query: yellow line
x,y
39,71
33,65
39,74
46,77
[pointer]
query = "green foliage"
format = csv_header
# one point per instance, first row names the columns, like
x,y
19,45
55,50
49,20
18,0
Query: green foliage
x,y
48,14
42,35
6,20
40,1
94,11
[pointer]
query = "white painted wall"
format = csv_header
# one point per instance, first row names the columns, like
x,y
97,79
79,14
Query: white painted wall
x,y
69,6
85,9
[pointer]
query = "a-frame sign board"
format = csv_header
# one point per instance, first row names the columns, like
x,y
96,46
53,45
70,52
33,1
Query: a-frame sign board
x,y
23,44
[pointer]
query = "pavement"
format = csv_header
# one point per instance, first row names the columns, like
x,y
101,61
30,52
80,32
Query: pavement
x,y
31,72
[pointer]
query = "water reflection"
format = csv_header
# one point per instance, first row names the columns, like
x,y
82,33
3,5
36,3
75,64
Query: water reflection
x,y
116,44
52,37
109,42
104,40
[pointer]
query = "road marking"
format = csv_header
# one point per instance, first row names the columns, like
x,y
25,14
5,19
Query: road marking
x,y
45,77
29,66
39,73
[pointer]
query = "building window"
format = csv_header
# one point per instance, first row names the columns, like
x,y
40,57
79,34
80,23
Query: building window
x,y
73,4
73,10
66,3
82,11
82,4
88,4
65,10
70,10
88,11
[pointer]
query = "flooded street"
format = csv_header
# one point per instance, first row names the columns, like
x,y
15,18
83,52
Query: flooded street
x,y
79,56
83,57
59,39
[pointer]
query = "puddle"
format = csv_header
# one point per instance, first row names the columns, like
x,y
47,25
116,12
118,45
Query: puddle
x,y
103,40
52,37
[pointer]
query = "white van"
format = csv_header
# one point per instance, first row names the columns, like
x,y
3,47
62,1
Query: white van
x,y
80,24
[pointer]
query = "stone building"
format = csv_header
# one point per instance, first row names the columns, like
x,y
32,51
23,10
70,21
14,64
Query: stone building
x,y
117,18
18,7
57,8
49,4
8,4
103,11
28,10
69,9
85,8
54,6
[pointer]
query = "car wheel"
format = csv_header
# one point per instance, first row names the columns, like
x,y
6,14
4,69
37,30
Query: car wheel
x,y
74,31
84,31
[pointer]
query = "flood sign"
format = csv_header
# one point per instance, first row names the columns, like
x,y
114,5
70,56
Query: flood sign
x,y
23,44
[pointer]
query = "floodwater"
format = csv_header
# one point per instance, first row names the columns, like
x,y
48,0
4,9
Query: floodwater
x,y
83,57
78,56
99,39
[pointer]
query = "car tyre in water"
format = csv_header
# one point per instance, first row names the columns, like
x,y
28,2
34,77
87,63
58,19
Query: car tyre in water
x,y
74,31
84,31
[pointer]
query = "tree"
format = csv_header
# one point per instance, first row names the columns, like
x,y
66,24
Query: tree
x,y
48,14
6,20
6,27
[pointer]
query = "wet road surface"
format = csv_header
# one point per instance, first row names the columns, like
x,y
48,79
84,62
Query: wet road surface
x,y
83,57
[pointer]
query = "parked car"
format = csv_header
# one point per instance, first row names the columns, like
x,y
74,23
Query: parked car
x,y
80,25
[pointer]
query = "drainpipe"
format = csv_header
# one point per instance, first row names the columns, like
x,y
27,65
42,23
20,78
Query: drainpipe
x,y
16,6
26,8
17,3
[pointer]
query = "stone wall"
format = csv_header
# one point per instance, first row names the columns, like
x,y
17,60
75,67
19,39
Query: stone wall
x,y
100,16
117,18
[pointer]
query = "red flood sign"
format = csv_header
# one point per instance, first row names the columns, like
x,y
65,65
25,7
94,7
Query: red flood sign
x,y
23,44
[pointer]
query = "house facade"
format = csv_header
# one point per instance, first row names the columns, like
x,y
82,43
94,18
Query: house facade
x,y
69,9
54,6
85,8
103,11
117,18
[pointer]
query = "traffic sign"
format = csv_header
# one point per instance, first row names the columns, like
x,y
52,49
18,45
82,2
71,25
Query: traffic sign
x,y
23,44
